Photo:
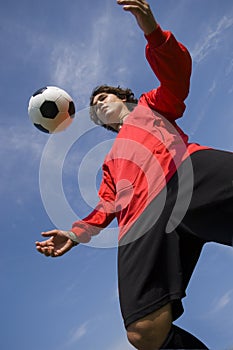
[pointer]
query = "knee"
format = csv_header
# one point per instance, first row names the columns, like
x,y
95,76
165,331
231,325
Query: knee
x,y
150,332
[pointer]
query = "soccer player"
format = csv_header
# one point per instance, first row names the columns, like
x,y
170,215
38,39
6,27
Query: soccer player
x,y
169,196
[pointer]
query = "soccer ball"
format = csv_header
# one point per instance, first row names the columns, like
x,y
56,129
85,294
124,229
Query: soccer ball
x,y
51,109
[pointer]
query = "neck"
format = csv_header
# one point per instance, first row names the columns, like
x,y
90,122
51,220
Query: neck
x,y
122,119
123,116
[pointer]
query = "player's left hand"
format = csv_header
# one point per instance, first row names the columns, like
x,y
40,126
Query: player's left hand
x,y
57,244
142,12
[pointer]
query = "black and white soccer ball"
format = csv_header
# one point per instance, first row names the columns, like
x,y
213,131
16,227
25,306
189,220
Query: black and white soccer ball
x,y
51,109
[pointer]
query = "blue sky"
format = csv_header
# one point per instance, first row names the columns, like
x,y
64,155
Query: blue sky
x,y
71,302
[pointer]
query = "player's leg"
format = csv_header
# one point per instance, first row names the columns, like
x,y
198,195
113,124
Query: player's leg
x,y
209,215
178,338
153,271
156,331
151,331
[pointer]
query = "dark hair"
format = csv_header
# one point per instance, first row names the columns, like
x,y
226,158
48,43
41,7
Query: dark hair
x,y
119,92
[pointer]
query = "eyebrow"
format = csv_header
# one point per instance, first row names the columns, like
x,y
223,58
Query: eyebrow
x,y
99,96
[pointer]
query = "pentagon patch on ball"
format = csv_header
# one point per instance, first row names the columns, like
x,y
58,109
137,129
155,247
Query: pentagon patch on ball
x,y
51,109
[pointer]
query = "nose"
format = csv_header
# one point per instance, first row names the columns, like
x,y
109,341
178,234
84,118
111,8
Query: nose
x,y
99,103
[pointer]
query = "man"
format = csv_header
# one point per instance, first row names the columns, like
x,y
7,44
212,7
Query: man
x,y
157,185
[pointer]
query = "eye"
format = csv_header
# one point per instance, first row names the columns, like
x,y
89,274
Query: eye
x,y
99,98
102,97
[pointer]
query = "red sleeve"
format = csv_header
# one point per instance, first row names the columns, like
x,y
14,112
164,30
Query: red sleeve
x,y
171,63
103,213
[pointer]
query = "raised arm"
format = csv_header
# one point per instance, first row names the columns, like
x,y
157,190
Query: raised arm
x,y
169,60
171,63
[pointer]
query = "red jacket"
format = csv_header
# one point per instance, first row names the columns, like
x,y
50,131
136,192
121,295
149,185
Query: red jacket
x,y
149,147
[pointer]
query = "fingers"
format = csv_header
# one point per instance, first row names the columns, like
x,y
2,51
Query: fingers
x,y
46,247
131,2
57,244
44,244
63,250
142,12
133,5
50,233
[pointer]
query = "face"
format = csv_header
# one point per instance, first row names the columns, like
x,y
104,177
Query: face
x,y
109,108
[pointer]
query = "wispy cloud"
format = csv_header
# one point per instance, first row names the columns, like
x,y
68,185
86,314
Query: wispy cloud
x,y
229,68
221,303
19,152
78,333
211,40
83,65
115,295
17,139
212,87
224,301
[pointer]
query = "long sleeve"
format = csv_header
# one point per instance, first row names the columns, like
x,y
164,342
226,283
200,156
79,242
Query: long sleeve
x,y
103,213
171,63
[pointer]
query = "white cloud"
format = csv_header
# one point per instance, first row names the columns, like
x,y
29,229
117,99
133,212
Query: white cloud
x,y
20,150
229,68
212,87
222,302
83,65
115,295
78,333
17,139
211,40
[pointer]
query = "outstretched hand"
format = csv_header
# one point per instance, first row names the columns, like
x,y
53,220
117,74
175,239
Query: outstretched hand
x,y
57,244
142,12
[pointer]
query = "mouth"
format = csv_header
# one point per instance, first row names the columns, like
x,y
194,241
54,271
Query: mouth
x,y
101,113
103,108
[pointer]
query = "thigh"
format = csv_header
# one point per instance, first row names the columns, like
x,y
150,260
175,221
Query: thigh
x,y
213,179
153,269
152,330
149,275
210,212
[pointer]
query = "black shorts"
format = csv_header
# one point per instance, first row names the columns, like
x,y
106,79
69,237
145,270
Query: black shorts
x,y
156,259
